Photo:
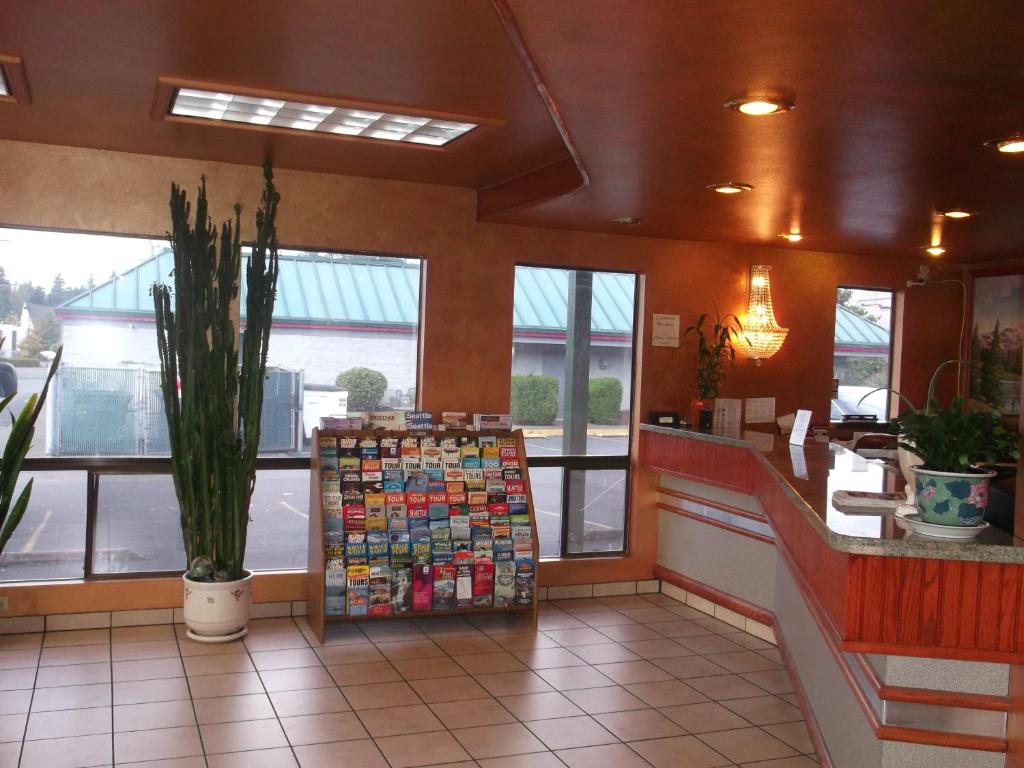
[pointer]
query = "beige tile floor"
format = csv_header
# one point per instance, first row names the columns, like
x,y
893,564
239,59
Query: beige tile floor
x,y
617,682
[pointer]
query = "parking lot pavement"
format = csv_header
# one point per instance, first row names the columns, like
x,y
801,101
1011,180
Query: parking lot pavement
x,y
138,528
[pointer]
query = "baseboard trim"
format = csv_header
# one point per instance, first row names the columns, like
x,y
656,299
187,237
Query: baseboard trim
x,y
882,731
717,596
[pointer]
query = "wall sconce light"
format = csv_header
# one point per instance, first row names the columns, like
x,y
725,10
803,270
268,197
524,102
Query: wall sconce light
x,y
761,332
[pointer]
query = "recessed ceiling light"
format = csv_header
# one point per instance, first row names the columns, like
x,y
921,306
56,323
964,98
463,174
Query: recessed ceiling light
x,y
956,213
935,250
626,220
793,237
759,106
303,116
730,188
1011,145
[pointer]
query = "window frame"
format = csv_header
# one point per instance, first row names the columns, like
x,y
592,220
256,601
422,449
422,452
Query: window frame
x,y
97,466
890,358
569,462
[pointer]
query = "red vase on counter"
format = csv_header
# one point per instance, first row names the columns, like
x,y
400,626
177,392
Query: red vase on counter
x,y
701,415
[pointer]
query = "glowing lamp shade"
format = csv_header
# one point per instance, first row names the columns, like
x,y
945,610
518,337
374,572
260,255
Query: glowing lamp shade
x,y
761,333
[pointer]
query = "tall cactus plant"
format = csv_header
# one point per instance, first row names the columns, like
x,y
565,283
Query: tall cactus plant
x,y
212,399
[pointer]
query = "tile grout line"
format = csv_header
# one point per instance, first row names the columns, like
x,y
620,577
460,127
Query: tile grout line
x,y
273,708
611,639
188,687
31,697
424,703
110,656
422,634
415,693
490,695
337,685
711,633
656,709
498,702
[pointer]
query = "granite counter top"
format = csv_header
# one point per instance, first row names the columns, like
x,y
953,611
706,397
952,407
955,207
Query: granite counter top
x,y
810,474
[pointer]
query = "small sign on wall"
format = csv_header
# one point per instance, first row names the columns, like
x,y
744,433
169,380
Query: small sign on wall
x,y
665,331
760,410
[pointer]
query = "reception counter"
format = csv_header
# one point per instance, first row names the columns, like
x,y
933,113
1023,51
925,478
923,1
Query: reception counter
x,y
901,644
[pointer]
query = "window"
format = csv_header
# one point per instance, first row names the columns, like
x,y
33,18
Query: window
x,y
50,541
334,312
862,353
572,374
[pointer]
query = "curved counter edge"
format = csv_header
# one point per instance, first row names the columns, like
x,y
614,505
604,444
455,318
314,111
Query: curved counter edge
x,y
939,549
912,602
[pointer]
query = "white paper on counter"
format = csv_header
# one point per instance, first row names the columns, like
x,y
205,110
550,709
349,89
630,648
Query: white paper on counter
x,y
796,455
800,425
728,417
760,410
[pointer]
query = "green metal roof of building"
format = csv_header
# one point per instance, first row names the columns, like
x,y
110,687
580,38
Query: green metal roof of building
x,y
323,289
311,289
541,301
327,289
856,332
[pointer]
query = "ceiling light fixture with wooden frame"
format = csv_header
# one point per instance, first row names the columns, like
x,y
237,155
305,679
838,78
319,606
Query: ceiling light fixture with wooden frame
x,y
13,85
196,102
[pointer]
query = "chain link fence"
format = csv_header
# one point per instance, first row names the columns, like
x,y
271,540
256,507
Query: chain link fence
x,y
120,412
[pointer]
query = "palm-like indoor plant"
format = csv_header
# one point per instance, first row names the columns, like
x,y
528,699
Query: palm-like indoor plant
x,y
213,400
714,348
19,441
953,444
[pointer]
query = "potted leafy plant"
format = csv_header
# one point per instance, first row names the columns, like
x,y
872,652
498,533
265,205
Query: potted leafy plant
x,y
953,444
213,399
19,440
714,348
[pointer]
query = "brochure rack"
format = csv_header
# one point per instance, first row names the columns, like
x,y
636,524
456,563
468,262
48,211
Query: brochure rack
x,y
322,536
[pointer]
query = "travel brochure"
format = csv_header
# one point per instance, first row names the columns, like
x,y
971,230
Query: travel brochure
x,y
417,421
416,522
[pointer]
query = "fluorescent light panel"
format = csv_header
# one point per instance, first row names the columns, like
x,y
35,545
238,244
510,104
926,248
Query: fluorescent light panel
x,y
252,110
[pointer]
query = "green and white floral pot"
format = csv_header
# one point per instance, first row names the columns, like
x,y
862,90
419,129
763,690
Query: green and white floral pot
x,y
951,498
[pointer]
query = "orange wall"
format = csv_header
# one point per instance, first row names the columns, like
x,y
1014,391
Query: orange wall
x,y
469,283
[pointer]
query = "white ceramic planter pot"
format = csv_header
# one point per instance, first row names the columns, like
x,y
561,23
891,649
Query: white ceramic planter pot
x,y
217,612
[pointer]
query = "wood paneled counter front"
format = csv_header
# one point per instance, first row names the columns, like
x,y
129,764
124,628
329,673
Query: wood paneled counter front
x,y
877,589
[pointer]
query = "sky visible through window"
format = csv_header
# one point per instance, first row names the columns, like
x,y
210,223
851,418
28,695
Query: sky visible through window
x,y
37,257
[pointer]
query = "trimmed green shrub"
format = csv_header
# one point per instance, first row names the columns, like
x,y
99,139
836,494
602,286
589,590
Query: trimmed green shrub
x,y
605,401
534,400
366,388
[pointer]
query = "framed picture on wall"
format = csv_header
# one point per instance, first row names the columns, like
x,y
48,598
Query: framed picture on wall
x,y
997,341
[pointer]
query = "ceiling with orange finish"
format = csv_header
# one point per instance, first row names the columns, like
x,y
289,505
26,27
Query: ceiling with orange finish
x,y
893,103
92,68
